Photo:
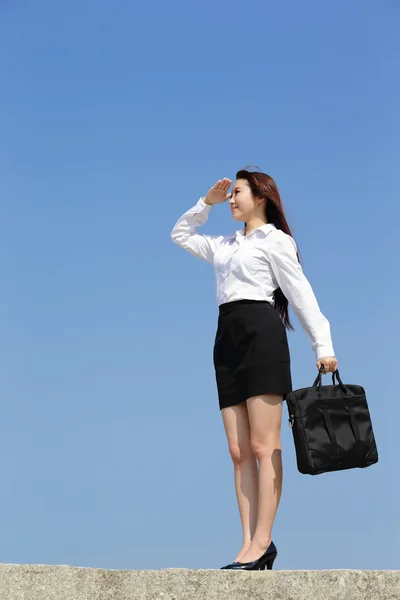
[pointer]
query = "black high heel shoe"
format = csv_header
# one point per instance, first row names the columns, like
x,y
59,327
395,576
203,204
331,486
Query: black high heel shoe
x,y
230,565
265,561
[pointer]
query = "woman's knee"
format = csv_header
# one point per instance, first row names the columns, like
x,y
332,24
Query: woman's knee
x,y
261,448
237,427
240,452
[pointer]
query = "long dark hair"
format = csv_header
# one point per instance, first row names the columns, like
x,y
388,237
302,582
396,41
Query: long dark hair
x,y
263,186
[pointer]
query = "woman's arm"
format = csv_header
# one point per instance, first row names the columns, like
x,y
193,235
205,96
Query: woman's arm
x,y
281,253
184,232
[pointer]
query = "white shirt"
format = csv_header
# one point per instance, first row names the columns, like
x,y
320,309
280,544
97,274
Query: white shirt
x,y
252,266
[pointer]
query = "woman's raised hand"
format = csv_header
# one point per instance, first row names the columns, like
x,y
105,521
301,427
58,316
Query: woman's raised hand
x,y
218,193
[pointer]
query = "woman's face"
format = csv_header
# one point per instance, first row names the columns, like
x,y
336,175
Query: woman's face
x,y
242,201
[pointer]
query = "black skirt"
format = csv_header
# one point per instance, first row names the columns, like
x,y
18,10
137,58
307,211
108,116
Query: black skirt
x,y
251,352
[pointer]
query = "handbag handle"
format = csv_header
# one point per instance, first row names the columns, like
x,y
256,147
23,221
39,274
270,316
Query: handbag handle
x,y
318,379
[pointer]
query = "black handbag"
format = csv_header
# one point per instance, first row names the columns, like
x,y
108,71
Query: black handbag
x,y
331,426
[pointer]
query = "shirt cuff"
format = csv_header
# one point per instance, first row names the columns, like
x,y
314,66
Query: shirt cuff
x,y
204,205
323,351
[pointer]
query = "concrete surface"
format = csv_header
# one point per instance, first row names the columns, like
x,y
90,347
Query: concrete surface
x,y
65,582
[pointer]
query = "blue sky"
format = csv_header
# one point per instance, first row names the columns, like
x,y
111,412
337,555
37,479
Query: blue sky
x,y
114,119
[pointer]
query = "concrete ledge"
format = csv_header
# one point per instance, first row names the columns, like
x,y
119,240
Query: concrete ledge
x,y
65,582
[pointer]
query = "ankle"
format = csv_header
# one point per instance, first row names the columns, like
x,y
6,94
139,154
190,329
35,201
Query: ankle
x,y
262,542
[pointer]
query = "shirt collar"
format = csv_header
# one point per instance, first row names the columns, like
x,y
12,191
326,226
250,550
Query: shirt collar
x,y
264,229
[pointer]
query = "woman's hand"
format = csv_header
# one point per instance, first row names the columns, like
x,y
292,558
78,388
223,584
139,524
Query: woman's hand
x,y
218,193
330,364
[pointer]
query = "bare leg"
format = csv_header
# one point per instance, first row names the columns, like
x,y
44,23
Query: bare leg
x,y
237,428
265,417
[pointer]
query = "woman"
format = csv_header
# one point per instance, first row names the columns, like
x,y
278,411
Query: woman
x,y
257,273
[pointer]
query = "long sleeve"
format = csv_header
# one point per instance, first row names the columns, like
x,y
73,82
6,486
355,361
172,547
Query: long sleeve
x,y
184,232
281,253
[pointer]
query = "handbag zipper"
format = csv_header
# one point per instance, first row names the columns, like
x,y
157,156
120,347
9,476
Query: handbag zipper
x,y
291,420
